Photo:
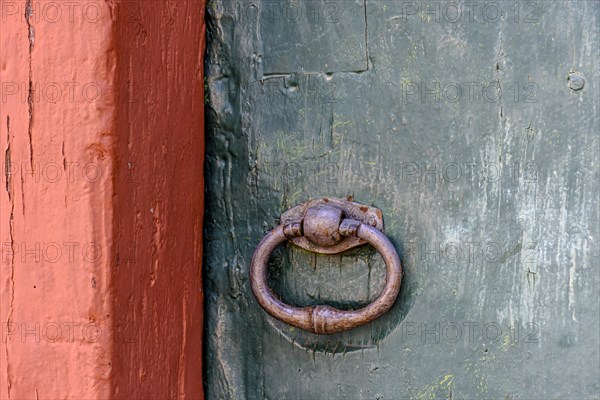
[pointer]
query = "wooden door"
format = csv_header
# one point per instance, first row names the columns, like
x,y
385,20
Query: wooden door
x,y
474,127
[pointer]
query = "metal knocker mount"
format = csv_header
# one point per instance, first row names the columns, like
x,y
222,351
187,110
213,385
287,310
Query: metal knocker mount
x,y
327,226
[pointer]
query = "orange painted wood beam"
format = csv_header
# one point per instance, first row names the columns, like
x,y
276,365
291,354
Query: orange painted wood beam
x,y
101,201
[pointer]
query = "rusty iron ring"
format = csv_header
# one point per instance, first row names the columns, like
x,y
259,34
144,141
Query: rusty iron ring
x,y
323,319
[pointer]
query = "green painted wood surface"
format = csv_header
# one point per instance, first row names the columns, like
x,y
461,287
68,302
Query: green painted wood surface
x,y
467,130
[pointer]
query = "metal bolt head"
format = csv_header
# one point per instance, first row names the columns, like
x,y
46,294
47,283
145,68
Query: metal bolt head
x,y
322,223
576,81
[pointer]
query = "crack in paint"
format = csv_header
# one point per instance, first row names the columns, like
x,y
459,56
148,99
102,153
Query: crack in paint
x,y
22,193
12,293
63,156
7,162
10,199
65,168
501,120
366,38
31,36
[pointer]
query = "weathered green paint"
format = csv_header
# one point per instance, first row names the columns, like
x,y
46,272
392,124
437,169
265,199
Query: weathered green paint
x,y
503,235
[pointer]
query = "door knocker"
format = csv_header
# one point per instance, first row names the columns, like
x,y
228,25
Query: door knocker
x,y
327,226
